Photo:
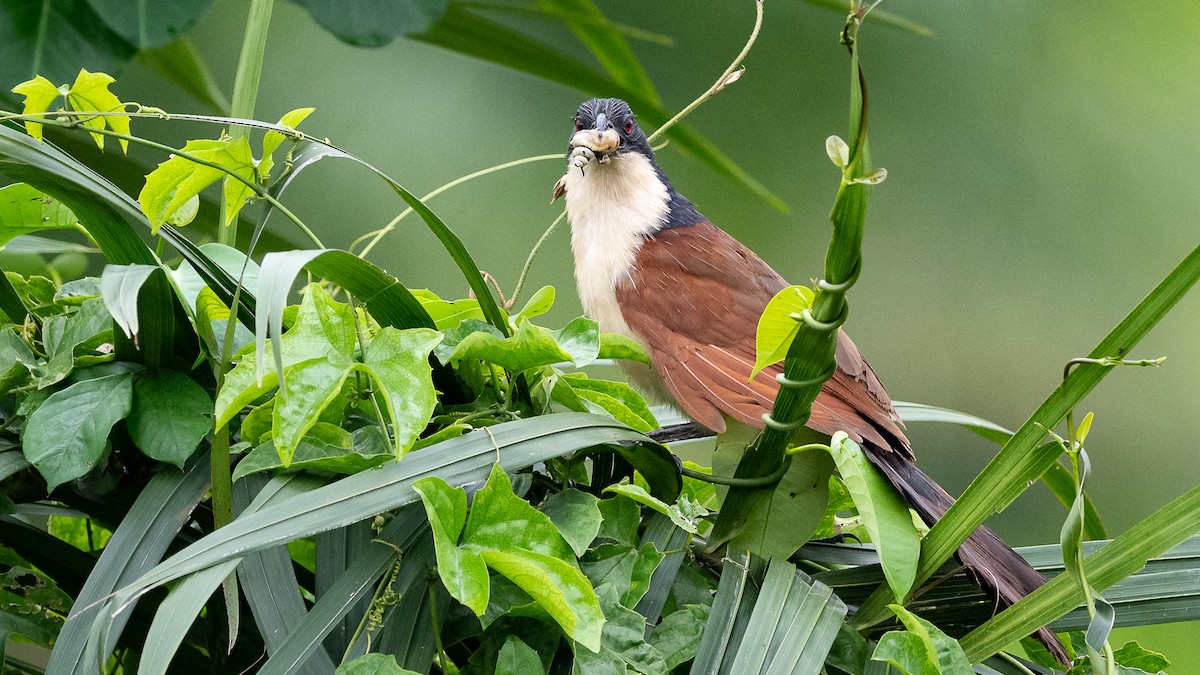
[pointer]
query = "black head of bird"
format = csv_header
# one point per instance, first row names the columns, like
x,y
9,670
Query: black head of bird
x,y
649,266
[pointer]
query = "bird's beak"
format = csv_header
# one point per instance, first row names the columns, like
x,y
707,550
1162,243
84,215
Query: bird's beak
x,y
599,142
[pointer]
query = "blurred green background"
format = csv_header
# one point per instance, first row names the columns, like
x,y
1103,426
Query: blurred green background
x,y
1042,178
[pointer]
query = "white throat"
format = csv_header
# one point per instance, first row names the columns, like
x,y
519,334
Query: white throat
x,y
611,208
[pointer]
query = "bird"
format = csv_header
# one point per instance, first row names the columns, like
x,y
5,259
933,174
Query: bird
x,y
651,267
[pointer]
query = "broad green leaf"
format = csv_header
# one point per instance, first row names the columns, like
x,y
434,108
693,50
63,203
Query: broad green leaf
x,y
850,651
309,386
71,340
777,328
398,360
581,339
323,328
907,652
499,519
147,24
945,650
327,448
447,315
617,346
462,570
517,657
883,512
558,587
539,303
65,437
621,518
625,567
788,520
1133,655
373,664
177,180
272,139
614,398
625,635
39,93
169,416
576,514
374,24
25,209
530,347
90,93
677,637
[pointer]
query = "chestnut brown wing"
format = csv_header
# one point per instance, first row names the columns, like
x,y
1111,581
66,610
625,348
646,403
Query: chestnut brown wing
x,y
695,295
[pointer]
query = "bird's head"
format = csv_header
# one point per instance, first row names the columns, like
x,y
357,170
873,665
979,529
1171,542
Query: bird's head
x,y
607,127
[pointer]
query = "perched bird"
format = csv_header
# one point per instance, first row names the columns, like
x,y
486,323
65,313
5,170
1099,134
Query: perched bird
x,y
649,266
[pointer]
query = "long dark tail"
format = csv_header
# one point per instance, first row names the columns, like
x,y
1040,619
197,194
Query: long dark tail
x,y
1002,574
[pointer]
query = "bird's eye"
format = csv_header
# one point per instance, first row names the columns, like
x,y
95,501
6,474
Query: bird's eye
x,y
578,124
629,126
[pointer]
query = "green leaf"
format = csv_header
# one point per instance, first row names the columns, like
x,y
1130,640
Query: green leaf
x,y
614,398
538,304
324,328
398,360
777,327
119,287
309,387
272,139
576,514
65,437
373,664
796,507
147,24
90,93
374,24
327,448
606,43
907,652
530,347
884,514
625,567
638,494
946,652
170,415
39,93
447,315
25,209
617,346
462,570
1133,655
621,518
677,637
624,634
850,651
174,182
517,657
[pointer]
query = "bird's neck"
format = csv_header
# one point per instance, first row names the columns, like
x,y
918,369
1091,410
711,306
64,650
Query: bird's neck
x,y
612,209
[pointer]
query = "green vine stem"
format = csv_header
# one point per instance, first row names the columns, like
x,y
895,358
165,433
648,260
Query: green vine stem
x,y
810,359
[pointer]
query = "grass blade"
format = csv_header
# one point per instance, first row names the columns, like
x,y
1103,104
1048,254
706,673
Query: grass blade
x,y
606,43
1018,462
144,535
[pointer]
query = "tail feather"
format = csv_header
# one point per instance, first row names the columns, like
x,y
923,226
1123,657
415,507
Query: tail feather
x,y
1002,574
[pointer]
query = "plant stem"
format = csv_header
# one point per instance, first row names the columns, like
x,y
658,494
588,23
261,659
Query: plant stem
x,y
379,234
245,87
722,81
533,254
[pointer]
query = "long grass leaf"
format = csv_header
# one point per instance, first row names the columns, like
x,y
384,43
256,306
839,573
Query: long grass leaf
x,y
161,509
606,42
1007,475
350,589
457,461
1125,555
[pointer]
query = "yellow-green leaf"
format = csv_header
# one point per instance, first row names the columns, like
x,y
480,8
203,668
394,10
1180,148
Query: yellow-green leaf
x,y
90,94
777,327
39,93
273,139
170,186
